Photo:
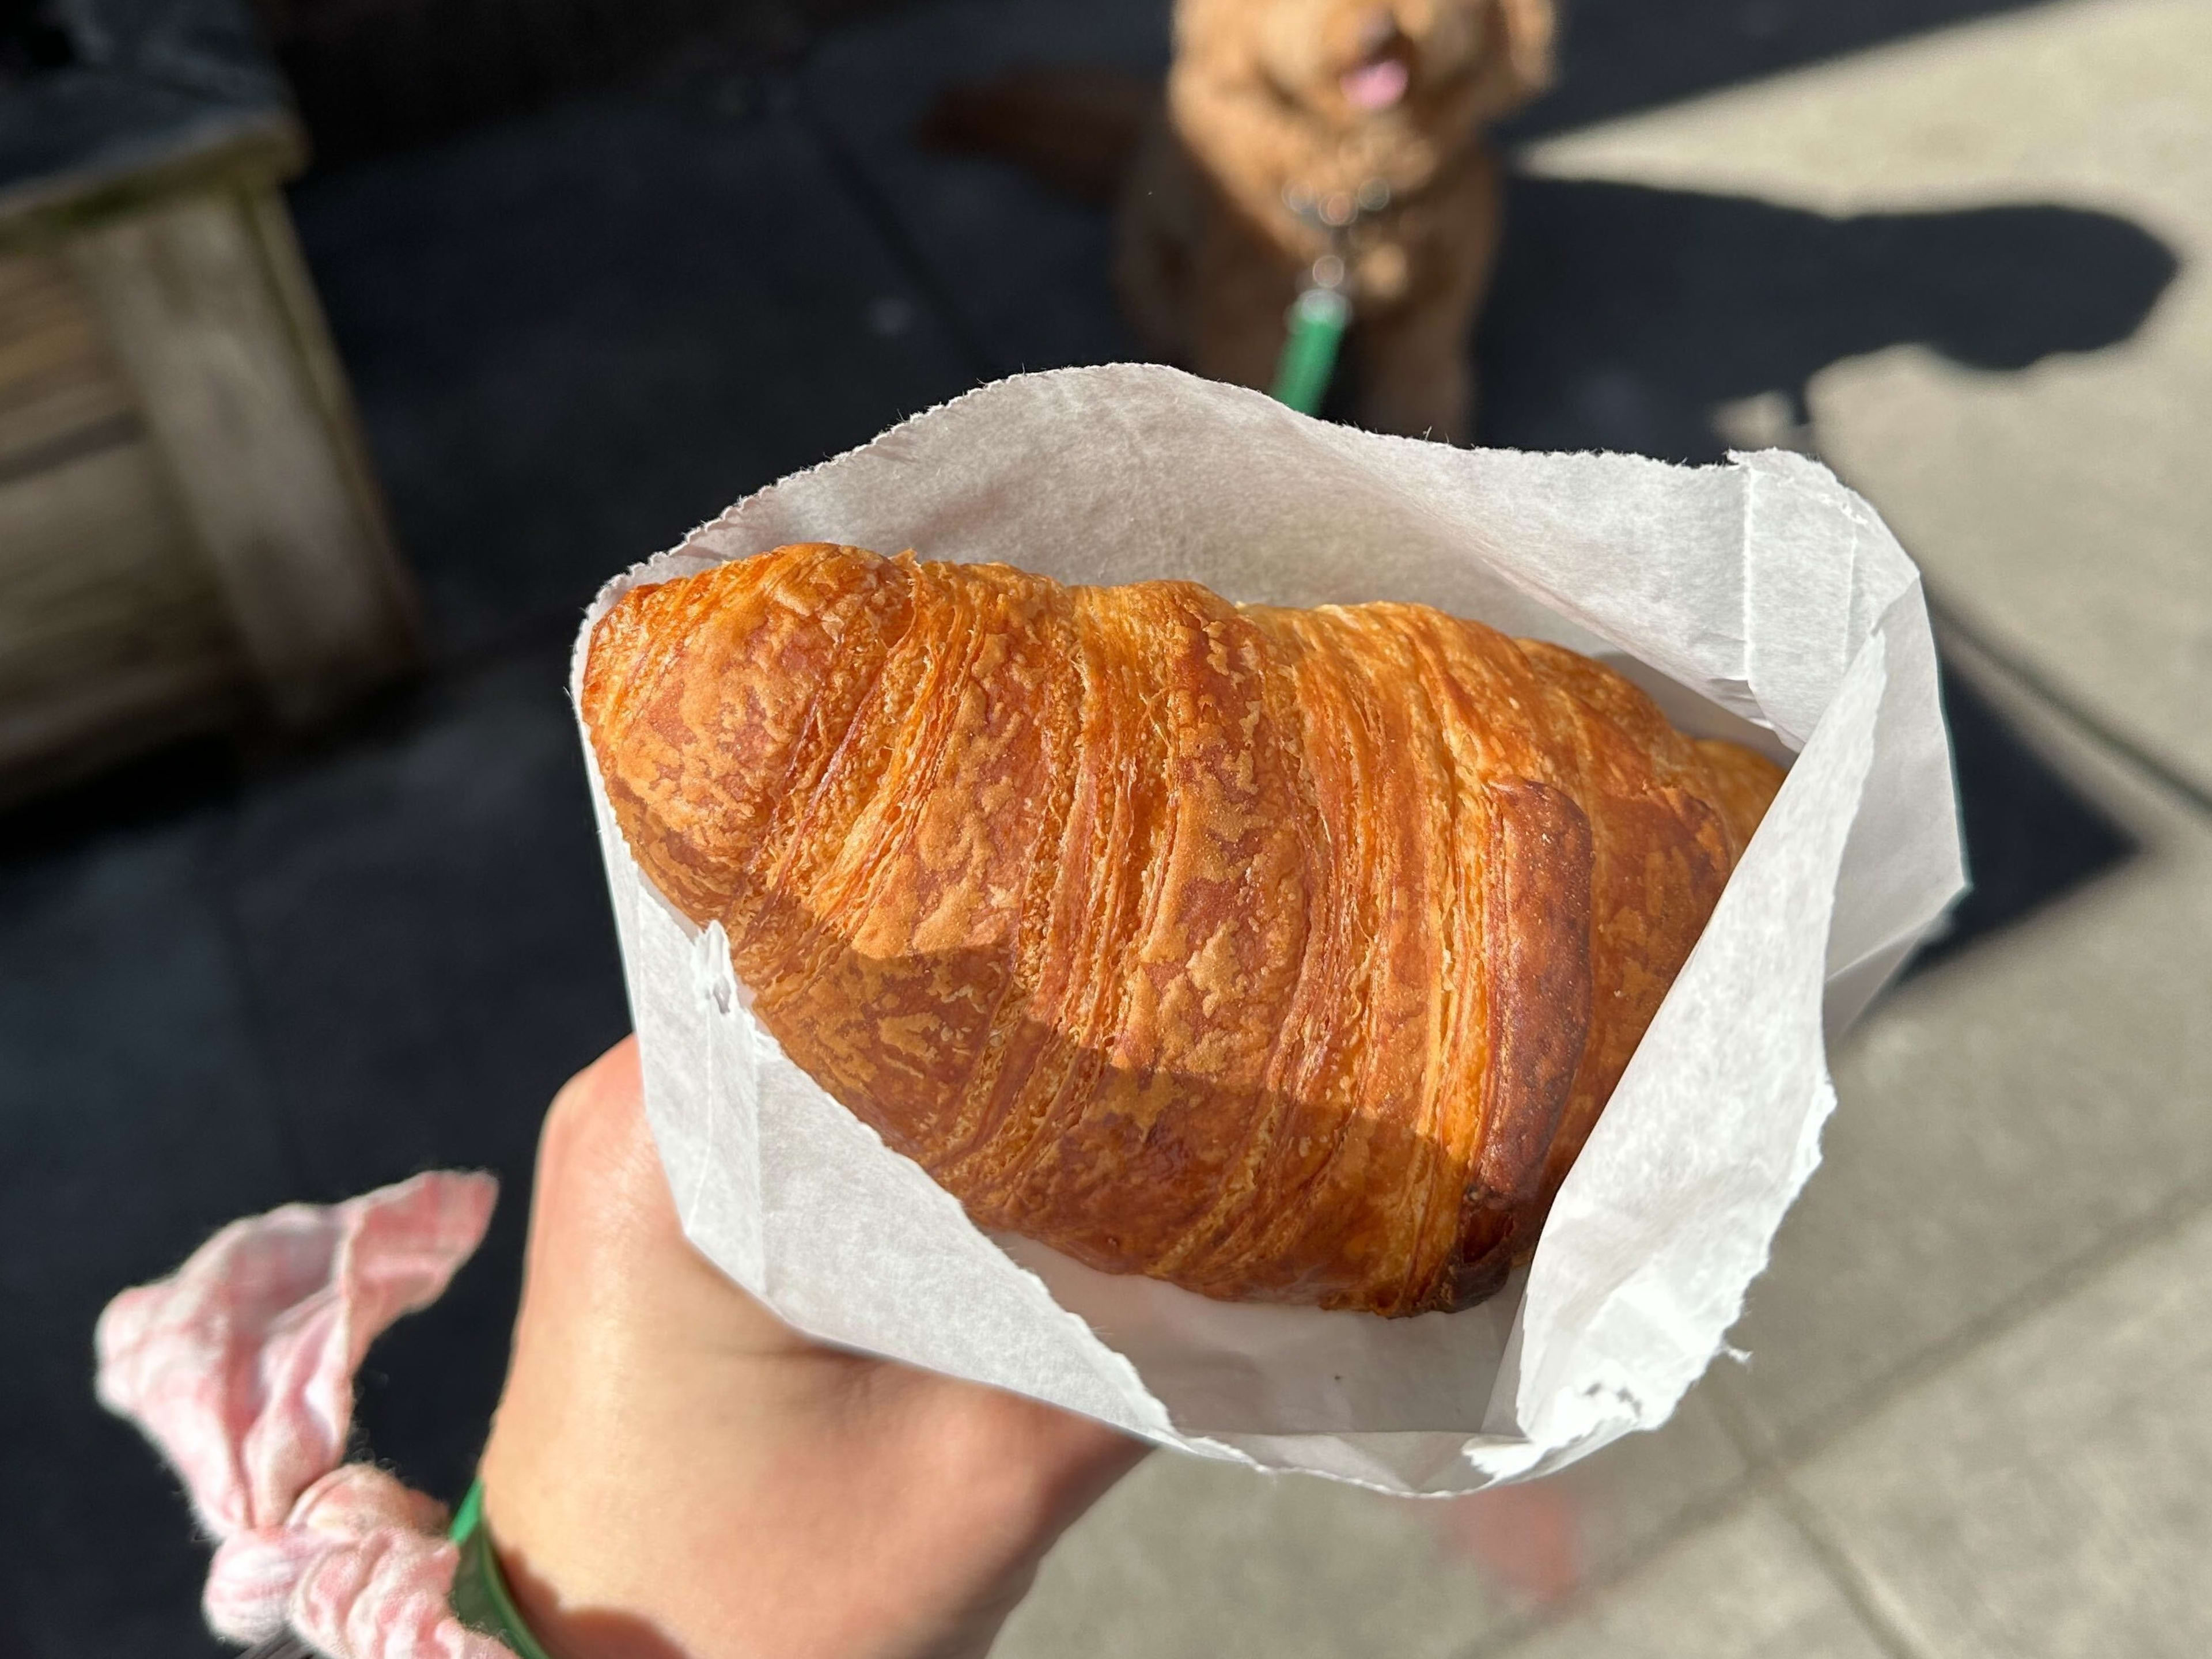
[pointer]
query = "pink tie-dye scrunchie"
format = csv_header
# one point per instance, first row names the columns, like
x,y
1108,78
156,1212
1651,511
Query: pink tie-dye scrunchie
x,y
240,1366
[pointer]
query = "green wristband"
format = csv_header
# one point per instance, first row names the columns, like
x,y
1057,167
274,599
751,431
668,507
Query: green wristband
x,y
480,1598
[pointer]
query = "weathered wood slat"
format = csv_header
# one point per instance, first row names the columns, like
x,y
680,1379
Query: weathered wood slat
x,y
59,391
111,631
293,288
209,333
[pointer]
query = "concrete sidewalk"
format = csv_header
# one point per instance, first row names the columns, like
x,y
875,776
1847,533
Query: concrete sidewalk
x,y
1957,247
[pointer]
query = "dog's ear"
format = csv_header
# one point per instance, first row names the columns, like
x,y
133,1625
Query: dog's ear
x,y
1527,28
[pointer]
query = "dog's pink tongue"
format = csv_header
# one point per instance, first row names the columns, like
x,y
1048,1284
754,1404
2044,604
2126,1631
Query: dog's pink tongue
x,y
1375,86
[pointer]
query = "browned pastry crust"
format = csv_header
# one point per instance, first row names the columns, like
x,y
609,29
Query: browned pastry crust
x,y
1283,955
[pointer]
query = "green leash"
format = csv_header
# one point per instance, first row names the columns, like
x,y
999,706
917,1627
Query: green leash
x,y
1317,320
1322,311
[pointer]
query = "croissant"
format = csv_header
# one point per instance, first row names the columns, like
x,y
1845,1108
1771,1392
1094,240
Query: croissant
x,y
1283,955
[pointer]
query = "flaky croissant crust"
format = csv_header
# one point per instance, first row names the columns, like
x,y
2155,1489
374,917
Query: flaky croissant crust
x,y
1283,955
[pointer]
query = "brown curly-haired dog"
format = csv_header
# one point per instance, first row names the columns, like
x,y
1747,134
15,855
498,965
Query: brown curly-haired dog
x,y
1296,129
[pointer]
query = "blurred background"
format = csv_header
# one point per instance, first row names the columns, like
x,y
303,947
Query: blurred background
x,y
346,345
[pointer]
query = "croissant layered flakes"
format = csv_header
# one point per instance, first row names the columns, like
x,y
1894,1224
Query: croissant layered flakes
x,y
1283,955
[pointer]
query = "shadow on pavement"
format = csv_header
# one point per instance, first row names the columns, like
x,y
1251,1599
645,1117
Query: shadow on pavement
x,y
2031,836
1624,316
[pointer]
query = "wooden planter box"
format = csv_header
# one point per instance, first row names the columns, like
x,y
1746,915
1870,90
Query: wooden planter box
x,y
189,533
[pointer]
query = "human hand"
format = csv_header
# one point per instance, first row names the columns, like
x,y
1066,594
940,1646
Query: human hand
x,y
674,1473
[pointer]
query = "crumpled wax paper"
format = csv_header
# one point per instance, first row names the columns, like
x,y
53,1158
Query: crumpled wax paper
x,y
1759,599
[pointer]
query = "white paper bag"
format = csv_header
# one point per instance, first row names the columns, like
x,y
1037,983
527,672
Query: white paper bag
x,y
1760,600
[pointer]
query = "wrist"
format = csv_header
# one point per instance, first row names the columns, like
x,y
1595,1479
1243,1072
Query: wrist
x,y
900,1521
